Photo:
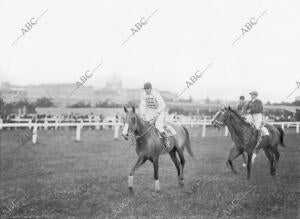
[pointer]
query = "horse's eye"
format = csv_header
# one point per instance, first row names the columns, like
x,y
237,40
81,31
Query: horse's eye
x,y
133,120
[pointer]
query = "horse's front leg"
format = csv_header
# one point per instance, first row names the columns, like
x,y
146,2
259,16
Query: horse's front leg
x,y
249,162
270,157
138,163
234,153
156,180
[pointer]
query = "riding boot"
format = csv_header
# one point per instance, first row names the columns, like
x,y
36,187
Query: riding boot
x,y
261,144
257,147
165,139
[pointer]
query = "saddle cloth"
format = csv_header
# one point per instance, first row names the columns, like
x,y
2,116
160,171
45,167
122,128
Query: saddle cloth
x,y
263,129
169,130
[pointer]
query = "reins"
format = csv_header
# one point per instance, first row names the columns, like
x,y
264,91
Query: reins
x,y
148,129
133,137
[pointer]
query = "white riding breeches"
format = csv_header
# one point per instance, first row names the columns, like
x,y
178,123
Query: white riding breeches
x,y
257,119
160,121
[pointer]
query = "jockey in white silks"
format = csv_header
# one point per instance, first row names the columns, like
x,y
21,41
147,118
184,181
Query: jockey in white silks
x,y
254,110
152,108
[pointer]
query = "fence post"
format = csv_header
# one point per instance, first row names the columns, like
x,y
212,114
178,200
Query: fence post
x,y
45,123
81,123
297,127
117,126
90,120
29,124
78,127
226,131
1,121
204,128
282,126
56,124
97,121
34,133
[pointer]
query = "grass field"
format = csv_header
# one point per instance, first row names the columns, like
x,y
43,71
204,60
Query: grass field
x,y
61,178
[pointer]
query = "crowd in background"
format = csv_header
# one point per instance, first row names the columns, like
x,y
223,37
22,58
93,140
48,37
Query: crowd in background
x,y
270,115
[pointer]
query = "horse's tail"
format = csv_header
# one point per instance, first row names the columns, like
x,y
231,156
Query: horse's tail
x,y
187,143
281,135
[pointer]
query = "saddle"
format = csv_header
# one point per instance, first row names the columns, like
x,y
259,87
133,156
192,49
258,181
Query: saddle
x,y
263,129
169,131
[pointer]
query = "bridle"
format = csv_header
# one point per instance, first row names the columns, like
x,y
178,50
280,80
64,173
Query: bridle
x,y
219,123
134,137
131,132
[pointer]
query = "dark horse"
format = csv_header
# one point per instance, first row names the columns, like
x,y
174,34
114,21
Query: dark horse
x,y
246,137
149,146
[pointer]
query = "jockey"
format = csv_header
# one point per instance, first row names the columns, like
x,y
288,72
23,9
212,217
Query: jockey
x,y
241,110
254,109
241,106
152,107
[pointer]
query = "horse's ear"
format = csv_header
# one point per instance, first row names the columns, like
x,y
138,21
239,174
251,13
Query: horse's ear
x,y
125,109
133,109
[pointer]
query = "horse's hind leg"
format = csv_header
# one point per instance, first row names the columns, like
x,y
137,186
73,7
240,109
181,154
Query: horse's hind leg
x,y
155,166
182,162
271,160
276,158
176,162
244,159
277,155
234,153
138,163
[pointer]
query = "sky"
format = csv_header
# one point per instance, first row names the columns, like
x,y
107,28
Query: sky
x,y
179,39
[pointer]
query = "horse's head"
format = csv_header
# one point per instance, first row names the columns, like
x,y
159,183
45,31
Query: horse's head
x,y
130,125
221,117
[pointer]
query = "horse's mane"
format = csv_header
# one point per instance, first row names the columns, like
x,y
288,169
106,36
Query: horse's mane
x,y
141,120
238,115
144,123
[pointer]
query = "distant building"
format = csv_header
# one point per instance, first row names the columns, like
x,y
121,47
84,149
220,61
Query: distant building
x,y
112,92
59,93
12,93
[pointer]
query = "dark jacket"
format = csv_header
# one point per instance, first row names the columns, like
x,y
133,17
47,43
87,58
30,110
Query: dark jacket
x,y
241,108
255,106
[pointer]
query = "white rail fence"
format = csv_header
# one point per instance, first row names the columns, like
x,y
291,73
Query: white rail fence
x,y
116,126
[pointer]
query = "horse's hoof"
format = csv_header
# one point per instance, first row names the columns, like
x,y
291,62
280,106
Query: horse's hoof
x,y
235,172
130,189
181,183
156,191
